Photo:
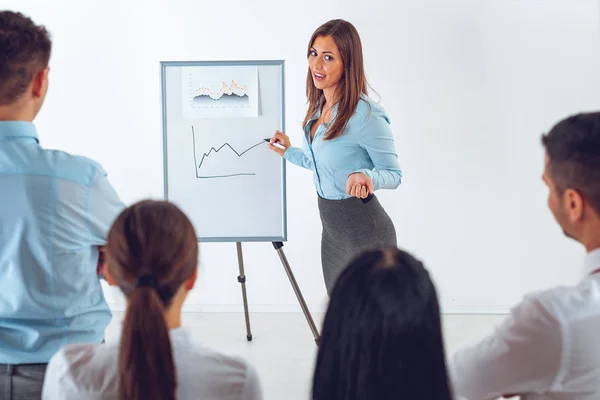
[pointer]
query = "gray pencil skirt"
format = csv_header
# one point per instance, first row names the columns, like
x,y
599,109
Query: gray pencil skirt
x,y
349,227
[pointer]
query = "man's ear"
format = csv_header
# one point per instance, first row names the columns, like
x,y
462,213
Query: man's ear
x,y
574,205
40,83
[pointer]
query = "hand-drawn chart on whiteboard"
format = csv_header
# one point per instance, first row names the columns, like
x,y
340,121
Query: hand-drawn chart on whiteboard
x,y
217,167
224,161
220,92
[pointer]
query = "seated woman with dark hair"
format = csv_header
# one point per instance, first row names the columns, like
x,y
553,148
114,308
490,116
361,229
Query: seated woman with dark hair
x,y
152,255
382,336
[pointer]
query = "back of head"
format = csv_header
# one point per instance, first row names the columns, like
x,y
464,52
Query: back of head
x,y
382,335
25,51
573,149
152,251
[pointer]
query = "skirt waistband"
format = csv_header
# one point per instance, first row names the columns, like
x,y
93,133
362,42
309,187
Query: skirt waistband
x,y
370,197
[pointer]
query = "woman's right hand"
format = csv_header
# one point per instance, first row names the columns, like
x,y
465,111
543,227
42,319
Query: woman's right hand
x,y
282,139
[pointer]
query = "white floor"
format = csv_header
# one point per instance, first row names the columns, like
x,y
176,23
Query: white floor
x,y
283,349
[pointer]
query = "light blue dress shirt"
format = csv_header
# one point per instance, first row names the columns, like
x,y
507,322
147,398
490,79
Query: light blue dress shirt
x,y
55,210
367,145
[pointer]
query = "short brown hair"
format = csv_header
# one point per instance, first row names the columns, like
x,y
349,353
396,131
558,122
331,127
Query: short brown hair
x,y
25,51
573,148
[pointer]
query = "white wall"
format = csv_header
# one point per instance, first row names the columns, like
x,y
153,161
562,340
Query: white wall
x,y
470,85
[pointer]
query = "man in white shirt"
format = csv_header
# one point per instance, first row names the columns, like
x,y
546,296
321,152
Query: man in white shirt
x,y
548,348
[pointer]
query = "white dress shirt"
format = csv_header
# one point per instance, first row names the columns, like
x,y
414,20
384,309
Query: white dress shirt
x,y
91,372
547,349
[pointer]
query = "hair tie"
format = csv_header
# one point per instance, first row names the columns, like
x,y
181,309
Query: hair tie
x,y
147,281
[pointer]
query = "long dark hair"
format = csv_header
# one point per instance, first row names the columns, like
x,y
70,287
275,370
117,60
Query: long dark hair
x,y
382,336
353,82
152,250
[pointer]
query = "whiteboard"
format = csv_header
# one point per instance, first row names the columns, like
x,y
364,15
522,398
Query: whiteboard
x,y
217,167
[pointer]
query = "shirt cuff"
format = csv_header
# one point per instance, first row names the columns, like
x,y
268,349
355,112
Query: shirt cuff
x,y
291,153
368,173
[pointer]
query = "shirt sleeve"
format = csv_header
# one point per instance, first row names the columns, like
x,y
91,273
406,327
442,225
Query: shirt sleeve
x,y
296,155
103,207
377,139
522,356
252,387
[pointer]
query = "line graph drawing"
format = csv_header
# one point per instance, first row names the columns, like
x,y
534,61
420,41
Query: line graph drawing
x,y
220,92
214,150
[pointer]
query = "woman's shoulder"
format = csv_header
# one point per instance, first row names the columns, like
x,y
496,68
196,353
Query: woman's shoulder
x,y
197,353
204,370
83,354
368,109
83,368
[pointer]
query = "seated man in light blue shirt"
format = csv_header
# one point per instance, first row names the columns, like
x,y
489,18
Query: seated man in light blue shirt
x,y
55,211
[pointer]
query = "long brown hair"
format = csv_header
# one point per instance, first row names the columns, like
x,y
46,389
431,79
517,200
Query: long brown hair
x,y
152,250
353,82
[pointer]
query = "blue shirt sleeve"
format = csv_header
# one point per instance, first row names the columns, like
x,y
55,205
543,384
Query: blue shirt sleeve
x,y
297,156
103,207
378,141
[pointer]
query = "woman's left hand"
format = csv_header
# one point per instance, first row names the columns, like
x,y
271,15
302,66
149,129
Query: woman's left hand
x,y
359,185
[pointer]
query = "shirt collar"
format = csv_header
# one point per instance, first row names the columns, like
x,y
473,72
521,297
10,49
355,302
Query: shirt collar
x,y
11,130
317,113
591,262
334,110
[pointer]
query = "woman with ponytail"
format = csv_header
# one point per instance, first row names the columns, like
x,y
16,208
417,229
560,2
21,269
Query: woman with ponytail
x,y
152,255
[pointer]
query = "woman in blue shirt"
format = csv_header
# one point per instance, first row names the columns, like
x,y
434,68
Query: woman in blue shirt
x,y
349,146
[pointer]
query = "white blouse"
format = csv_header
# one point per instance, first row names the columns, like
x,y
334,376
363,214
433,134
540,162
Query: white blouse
x,y
90,371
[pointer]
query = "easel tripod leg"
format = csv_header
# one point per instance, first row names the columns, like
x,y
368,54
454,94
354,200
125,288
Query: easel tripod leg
x,y
279,248
242,280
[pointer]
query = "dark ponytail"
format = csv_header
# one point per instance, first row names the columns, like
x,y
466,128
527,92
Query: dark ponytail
x,y
152,251
146,363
